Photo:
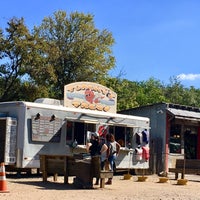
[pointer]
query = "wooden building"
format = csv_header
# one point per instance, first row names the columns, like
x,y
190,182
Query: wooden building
x,y
174,133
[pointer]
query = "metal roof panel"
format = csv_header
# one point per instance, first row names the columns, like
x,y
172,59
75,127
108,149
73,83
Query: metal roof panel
x,y
178,113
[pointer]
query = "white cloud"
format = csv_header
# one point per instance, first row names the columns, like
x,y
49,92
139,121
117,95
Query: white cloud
x,y
190,77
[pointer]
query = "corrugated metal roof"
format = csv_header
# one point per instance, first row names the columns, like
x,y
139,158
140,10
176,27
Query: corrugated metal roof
x,y
184,114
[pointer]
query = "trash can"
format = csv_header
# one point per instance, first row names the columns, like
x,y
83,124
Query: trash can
x,y
85,170
95,166
83,174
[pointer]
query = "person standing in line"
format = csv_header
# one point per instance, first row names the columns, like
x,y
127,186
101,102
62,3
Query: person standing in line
x,y
104,149
103,156
98,148
112,153
94,149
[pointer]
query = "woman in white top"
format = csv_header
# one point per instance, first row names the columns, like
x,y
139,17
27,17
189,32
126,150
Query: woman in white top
x,y
113,152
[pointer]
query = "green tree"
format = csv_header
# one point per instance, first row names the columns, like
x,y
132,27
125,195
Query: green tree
x,y
174,92
65,49
125,89
149,92
190,97
22,60
79,51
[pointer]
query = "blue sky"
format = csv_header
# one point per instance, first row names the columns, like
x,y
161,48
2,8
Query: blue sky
x,y
153,38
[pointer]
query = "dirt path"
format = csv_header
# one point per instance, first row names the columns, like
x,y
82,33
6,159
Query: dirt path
x,y
34,189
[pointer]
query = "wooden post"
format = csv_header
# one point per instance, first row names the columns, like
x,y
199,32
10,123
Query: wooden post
x,y
103,175
66,180
183,174
43,168
55,177
102,182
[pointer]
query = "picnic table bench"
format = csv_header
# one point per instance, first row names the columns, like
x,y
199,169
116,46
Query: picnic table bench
x,y
83,170
187,166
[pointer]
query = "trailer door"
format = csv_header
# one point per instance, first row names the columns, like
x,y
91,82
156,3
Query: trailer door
x,y
8,135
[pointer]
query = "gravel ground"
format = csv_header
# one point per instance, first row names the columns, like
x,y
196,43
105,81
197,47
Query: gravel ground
x,y
33,188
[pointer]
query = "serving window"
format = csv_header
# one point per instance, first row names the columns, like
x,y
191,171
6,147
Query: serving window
x,y
123,135
78,131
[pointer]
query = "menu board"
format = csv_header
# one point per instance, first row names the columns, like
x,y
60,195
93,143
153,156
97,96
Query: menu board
x,y
46,129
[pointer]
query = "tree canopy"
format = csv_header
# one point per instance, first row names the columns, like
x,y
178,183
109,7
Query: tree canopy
x,y
69,48
79,51
22,62
63,49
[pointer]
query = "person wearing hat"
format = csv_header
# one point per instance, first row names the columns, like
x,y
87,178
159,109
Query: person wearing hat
x,y
99,149
94,149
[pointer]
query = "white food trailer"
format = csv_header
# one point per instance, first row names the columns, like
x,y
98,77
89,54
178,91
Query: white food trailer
x,y
48,126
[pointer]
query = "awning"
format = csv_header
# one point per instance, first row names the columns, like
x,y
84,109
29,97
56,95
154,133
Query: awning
x,y
184,114
98,117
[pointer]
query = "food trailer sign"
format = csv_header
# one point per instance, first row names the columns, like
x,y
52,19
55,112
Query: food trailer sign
x,y
92,96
